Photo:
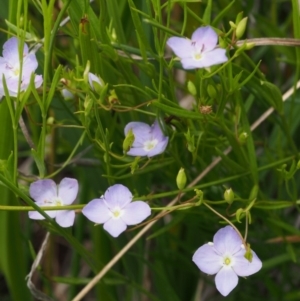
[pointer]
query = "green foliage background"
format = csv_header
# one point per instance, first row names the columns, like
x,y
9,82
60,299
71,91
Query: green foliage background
x,y
124,42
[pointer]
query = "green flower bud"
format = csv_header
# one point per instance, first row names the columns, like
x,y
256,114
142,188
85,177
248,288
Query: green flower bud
x,y
181,179
243,137
229,196
248,255
241,27
128,141
239,17
191,88
232,25
211,91
298,165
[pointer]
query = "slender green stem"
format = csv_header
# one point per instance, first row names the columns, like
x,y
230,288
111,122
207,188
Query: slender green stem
x,y
228,221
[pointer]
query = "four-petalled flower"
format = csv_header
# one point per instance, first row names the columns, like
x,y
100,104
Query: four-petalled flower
x,y
199,52
148,140
47,193
10,67
116,211
225,257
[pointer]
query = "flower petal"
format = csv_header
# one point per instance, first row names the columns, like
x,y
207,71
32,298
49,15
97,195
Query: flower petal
x,y
137,151
37,215
117,195
97,211
94,79
67,190
65,218
226,280
205,36
159,148
244,267
226,240
156,131
38,80
214,57
136,212
190,63
43,191
13,85
115,227
182,47
207,260
30,64
141,131
11,52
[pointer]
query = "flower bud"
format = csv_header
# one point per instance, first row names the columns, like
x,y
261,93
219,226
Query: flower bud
x,y
239,17
191,88
298,165
229,196
232,25
248,255
181,179
128,141
211,91
66,94
243,137
241,27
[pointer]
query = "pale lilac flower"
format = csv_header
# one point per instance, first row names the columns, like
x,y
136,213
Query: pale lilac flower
x,y
225,257
116,211
47,193
10,67
199,52
92,78
148,140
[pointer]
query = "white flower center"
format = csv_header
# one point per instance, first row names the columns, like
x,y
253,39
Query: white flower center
x,y
16,71
227,261
150,144
197,55
54,202
116,212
